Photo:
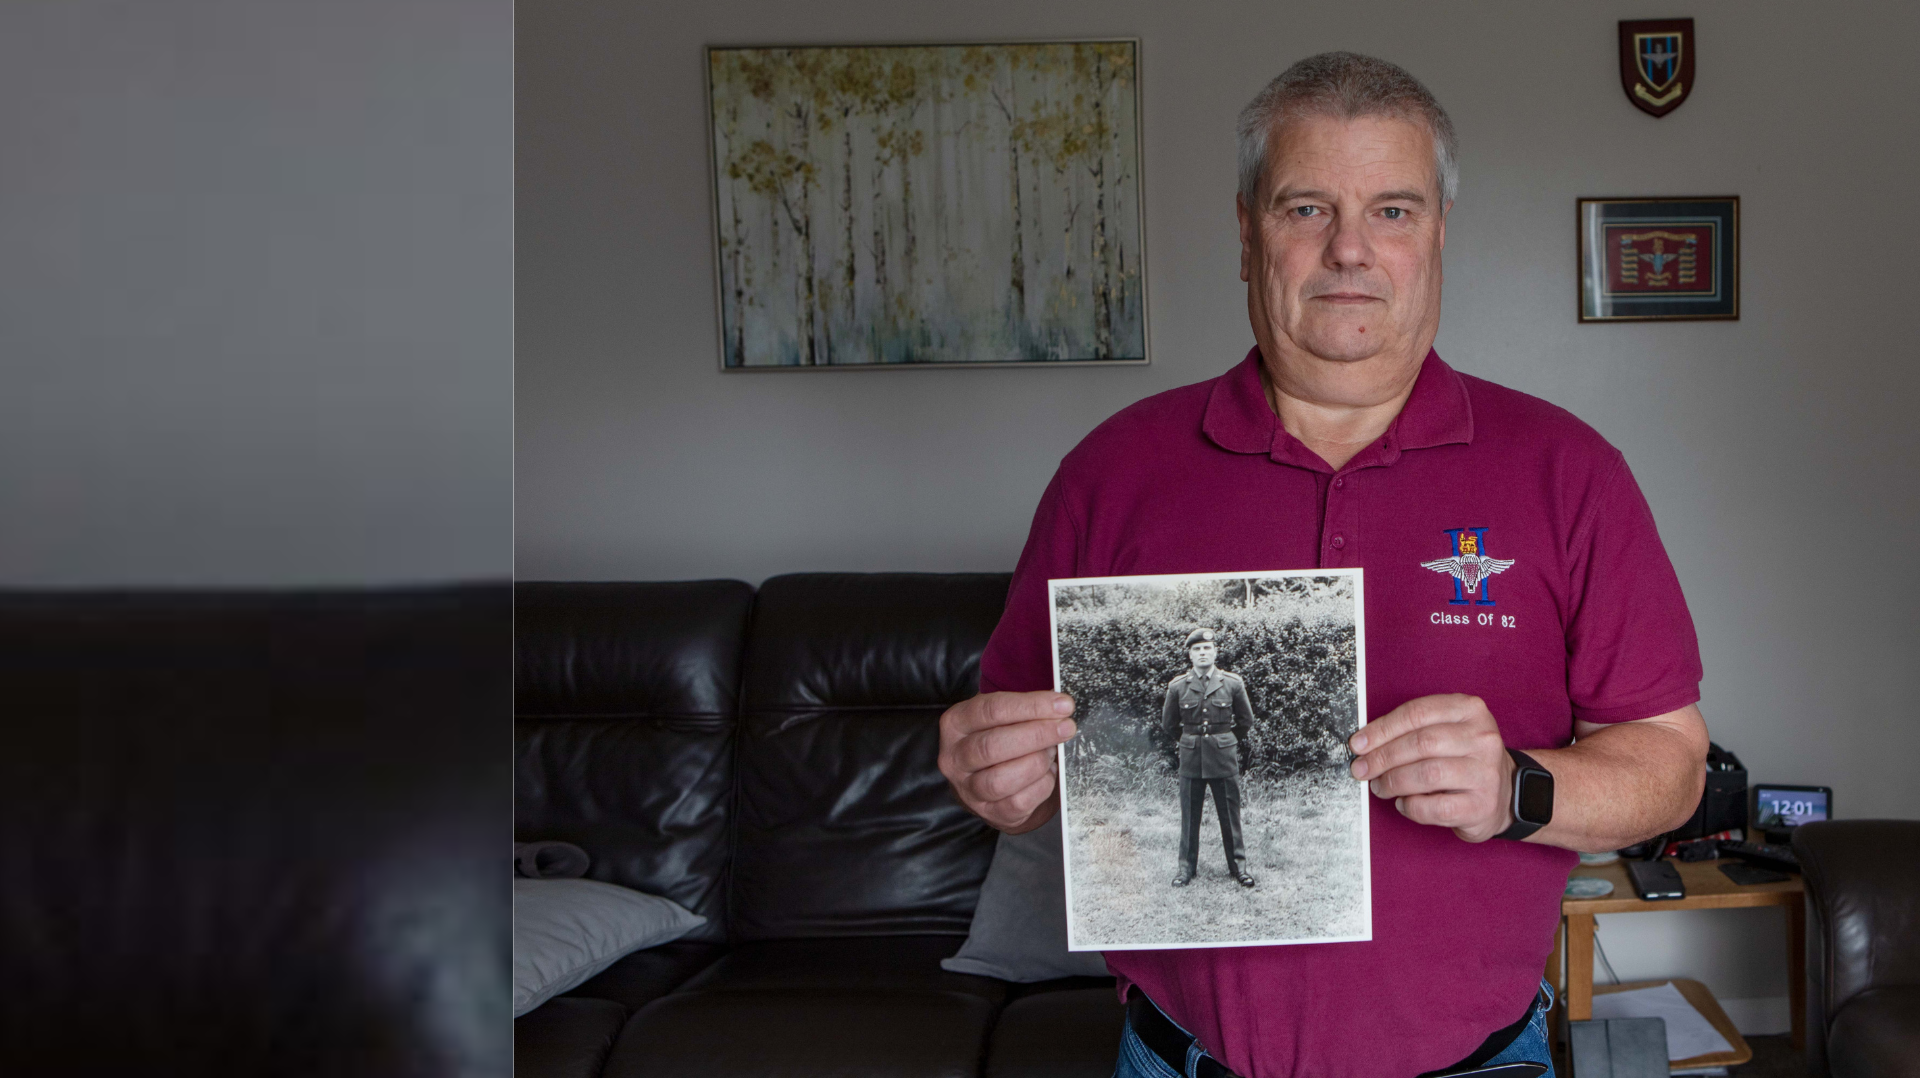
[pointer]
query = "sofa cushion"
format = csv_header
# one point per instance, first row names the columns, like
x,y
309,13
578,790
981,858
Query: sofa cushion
x,y
880,963
841,1033
628,650
566,1038
1063,984
845,825
851,640
626,698
644,976
646,798
1877,1033
1069,1033
566,931
1019,928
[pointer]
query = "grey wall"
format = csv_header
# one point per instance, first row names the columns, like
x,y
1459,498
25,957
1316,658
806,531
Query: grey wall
x,y
255,291
1777,450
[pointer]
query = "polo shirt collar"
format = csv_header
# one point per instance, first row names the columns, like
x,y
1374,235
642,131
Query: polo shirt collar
x,y
1239,420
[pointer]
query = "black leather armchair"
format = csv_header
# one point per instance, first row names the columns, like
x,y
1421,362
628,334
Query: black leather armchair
x,y
1863,947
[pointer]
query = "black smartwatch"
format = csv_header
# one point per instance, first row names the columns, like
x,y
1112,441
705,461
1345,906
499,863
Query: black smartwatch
x,y
1532,800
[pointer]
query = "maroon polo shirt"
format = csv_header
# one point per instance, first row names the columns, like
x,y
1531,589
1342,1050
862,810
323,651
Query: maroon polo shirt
x,y
1587,623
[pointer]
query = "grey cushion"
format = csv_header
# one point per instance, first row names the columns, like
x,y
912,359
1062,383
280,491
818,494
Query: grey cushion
x,y
1019,928
565,931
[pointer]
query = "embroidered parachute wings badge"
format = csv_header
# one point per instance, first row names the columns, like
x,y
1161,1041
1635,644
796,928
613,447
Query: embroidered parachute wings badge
x,y
1469,569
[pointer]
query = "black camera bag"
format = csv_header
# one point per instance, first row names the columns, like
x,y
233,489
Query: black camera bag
x,y
1723,804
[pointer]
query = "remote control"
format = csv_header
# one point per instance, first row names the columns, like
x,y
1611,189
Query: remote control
x,y
1778,858
1747,875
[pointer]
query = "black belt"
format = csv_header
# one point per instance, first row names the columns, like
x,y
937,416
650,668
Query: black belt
x,y
1496,1043
1166,1040
1171,1043
1205,730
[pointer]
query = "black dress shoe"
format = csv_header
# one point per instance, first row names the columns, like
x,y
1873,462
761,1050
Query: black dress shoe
x,y
1185,877
1245,880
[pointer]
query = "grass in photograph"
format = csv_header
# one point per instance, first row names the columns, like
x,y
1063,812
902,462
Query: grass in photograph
x,y
1304,845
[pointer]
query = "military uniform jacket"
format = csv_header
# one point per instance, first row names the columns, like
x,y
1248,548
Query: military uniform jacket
x,y
1210,716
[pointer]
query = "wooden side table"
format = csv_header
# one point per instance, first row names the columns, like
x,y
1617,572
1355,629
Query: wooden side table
x,y
1707,889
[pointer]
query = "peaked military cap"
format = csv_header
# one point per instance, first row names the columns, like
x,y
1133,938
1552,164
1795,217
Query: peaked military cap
x,y
1200,636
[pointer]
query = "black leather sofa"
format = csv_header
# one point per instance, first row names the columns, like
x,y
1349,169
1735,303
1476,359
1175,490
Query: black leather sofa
x,y
1863,947
255,833
767,759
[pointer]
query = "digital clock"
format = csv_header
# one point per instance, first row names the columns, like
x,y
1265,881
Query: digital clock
x,y
1781,808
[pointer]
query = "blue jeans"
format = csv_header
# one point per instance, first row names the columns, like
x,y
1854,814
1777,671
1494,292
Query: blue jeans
x,y
1531,1046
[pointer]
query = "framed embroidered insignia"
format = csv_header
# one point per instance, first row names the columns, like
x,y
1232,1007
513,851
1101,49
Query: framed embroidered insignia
x,y
1656,63
1659,259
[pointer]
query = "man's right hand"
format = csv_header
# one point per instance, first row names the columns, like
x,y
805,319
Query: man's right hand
x,y
996,750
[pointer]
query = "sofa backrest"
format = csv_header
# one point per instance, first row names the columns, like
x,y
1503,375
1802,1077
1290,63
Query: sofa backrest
x,y
844,824
626,703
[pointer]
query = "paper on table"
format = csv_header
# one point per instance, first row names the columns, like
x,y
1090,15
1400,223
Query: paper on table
x,y
1689,1033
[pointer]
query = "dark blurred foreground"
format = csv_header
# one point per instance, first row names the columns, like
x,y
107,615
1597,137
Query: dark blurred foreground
x,y
255,833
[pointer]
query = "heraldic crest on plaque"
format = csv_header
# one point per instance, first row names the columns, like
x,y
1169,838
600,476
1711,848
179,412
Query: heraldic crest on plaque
x,y
1656,63
1644,259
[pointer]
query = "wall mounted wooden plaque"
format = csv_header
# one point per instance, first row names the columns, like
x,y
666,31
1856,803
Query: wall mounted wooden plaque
x,y
1656,63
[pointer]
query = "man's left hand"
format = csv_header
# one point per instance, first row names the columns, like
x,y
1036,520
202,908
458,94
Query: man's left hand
x,y
1442,762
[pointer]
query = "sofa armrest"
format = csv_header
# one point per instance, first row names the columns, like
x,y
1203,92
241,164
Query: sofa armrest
x,y
1863,918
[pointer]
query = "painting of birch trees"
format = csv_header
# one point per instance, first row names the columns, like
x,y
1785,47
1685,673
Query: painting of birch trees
x,y
911,205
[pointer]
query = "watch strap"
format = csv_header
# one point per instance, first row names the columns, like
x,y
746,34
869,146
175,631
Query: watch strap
x,y
1521,828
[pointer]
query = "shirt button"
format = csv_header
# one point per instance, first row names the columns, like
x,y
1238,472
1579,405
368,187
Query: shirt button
x,y
1338,483
1339,542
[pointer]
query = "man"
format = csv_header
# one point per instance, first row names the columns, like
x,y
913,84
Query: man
x,y
1207,709
1564,686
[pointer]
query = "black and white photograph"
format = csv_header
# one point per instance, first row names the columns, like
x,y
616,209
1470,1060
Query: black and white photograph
x,y
1205,801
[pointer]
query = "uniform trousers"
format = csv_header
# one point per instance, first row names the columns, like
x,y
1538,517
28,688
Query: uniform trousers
x,y
1226,805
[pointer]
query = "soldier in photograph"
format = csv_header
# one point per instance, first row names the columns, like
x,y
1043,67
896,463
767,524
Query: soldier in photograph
x,y
1208,710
